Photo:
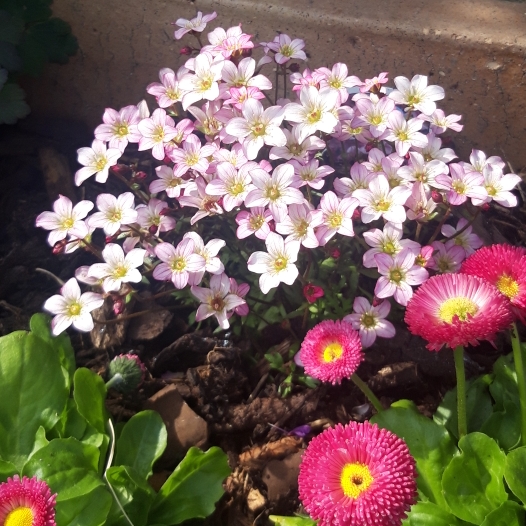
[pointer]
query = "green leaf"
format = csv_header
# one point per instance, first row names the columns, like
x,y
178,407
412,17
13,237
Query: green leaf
x,y
479,406
40,325
12,103
515,472
90,509
473,482
429,443
504,386
33,393
7,469
141,442
193,488
134,494
505,426
89,394
429,514
509,514
291,521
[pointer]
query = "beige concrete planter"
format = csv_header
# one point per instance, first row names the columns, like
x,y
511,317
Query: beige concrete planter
x,y
473,48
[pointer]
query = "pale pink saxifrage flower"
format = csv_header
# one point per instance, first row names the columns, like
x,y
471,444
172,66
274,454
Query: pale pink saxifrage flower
x,y
216,300
241,290
255,221
65,219
168,92
446,259
96,160
465,239
242,75
213,264
498,186
457,309
369,320
461,185
72,307
405,134
337,217
504,266
197,24
197,197
357,474
434,150
420,204
177,262
397,275
277,264
310,173
420,170
296,147
300,223
151,216
193,155
26,502
375,113
440,122
286,48
120,127
331,351
114,212
360,179
337,79
375,82
416,94
170,180
156,131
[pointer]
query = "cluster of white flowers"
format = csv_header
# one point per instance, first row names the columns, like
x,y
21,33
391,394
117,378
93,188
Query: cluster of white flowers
x,y
263,165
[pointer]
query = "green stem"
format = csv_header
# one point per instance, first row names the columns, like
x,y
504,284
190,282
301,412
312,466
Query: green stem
x,y
364,388
521,380
458,354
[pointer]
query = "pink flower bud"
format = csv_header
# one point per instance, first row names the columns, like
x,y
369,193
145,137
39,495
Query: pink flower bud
x,y
356,214
437,196
186,50
121,169
334,253
140,175
485,207
59,246
118,306
312,292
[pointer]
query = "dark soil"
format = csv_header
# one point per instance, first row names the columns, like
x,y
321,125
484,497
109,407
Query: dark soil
x,y
228,383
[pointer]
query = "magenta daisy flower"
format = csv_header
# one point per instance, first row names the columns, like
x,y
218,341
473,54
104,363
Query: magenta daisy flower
x,y
457,309
331,351
505,267
26,502
357,474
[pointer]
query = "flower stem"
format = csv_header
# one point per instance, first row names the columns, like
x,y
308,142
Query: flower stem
x,y
458,354
521,380
364,388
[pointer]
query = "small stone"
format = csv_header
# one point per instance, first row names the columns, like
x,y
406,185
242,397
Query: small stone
x,y
255,500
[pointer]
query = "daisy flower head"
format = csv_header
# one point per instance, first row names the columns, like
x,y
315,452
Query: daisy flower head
x,y
26,501
504,266
331,351
357,474
457,309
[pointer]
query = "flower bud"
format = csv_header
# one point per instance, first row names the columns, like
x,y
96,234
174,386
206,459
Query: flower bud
x,y
59,246
437,196
294,67
485,207
118,306
186,50
140,175
334,253
121,169
126,372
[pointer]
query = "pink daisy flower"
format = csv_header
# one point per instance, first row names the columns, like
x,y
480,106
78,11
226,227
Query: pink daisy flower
x,y
357,474
26,501
505,267
331,351
457,309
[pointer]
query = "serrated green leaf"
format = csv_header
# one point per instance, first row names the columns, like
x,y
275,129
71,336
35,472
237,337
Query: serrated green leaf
x,y
473,482
515,472
192,489
141,442
12,103
33,393
508,514
429,443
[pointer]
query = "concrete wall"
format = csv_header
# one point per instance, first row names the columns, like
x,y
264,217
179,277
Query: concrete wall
x,y
473,48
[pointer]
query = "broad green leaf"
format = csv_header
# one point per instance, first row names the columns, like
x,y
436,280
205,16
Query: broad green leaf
x,y
429,443
134,494
89,509
291,521
515,472
504,386
429,514
12,103
192,489
33,393
40,325
509,514
141,442
504,426
7,469
478,406
67,465
473,482
89,394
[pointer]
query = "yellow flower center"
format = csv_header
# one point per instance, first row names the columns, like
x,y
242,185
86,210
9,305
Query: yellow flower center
x,y
402,136
376,120
301,228
459,187
158,134
335,83
205,84
332,352
192,159
286,50
354,131
256,222
21,516
508,286
217,304
335,220
280,263
295,149
178,264
382,205
413,99
67,223
121,130
355,478
367,320
396,275
492,191
314,116
236,189
115,215
389,248
101,164
273,193
259,129
74,309
173,94
461,308
120,272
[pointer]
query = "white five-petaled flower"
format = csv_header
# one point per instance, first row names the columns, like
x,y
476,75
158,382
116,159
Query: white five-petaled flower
x,y
460,185
118,268
337,79
420,170
254,221
170,180
370,320
285,48
446,259
379,200
65,219
168,92
498,186
274,191
440,122
213,264
397,276
193,155
257,127
296,147
315,111
337,217
198,198
375,113
416,94
310,174
114,212
242,75
300,223
96,160
72,307
465,237
177,262
216,300
196,24
151,216
156,131
120,127
405,133
276,265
